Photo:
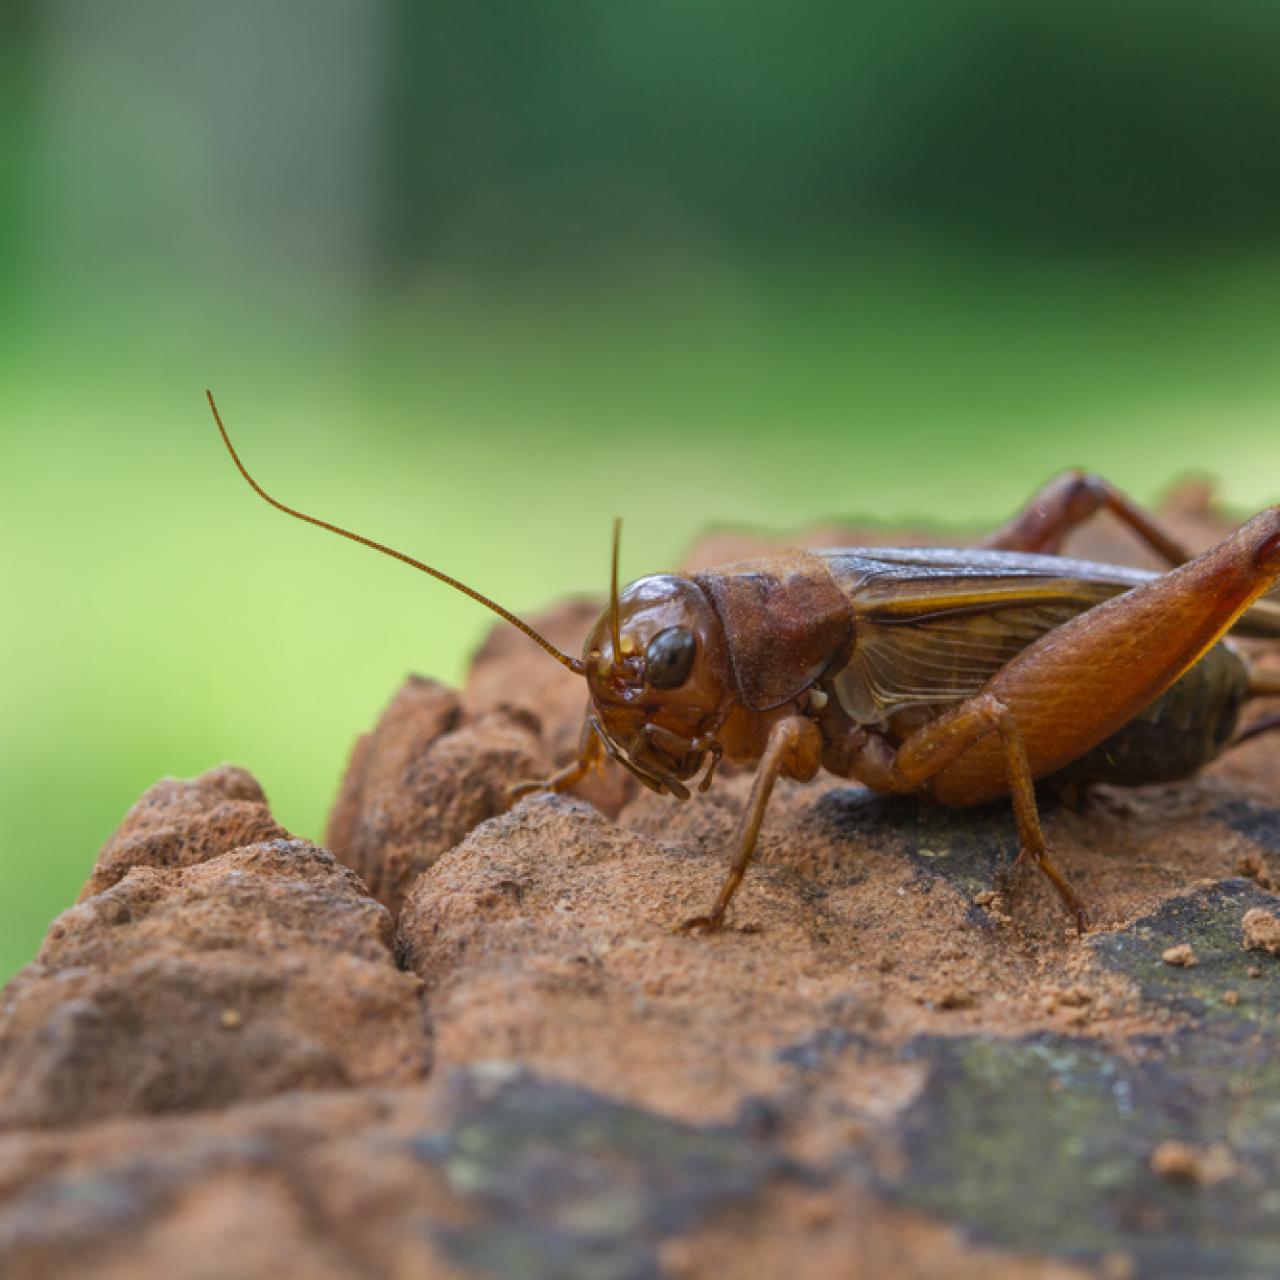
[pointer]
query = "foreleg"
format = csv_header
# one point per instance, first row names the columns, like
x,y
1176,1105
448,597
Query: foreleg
x,y
591,755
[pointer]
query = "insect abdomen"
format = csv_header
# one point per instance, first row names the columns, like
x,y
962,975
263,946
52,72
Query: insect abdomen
x,y
1179,733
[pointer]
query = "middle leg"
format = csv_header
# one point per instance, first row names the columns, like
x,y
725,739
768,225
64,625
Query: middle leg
x,y
930,750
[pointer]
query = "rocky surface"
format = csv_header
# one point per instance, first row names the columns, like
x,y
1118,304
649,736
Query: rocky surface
x,y
489,1054
423,779
220,967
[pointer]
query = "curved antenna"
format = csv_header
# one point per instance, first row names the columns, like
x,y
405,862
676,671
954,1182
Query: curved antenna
x,y
576,665
613,592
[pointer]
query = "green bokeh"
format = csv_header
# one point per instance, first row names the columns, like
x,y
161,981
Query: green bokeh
x,y
474,321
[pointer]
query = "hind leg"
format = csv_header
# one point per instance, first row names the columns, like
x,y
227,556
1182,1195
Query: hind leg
x,y
1262,684
1065,503
1077,685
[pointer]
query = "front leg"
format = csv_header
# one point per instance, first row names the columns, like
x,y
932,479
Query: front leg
x,y
794,748
591,755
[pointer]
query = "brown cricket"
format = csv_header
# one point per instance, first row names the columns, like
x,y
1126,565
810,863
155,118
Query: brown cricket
x,y
964,674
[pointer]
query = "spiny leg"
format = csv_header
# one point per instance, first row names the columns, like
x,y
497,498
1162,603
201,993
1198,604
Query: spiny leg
x,y
794,748
1076,686
1031,843
1065,503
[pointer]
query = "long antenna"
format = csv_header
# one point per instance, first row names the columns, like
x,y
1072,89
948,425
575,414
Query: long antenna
x,y
574,664
613,592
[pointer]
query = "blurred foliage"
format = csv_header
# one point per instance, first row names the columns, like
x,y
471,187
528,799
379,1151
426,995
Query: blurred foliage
x,y
474,279
1069,124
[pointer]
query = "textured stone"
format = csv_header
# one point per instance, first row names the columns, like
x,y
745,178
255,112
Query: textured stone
x,y
898,1059
186,984
422,779
1165,1149
178,823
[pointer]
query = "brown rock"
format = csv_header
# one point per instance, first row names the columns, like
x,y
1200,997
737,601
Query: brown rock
x,y
423,779
1181,956
179,822
548,937
608,1096
1261,931
190,984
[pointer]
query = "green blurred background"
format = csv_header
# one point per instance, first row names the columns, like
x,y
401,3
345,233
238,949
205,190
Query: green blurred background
x,y
474,278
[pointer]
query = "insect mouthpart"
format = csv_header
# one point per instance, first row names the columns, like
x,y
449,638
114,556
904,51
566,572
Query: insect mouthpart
x,y
652,774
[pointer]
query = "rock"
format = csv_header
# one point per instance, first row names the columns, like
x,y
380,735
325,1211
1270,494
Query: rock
x,y
898,1058
178,823
1261,931
489,1172
423,779
263,967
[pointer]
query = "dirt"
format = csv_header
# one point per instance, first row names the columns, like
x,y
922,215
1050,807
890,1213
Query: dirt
x,y
473,1042
1261,931
1183,955
1181,1162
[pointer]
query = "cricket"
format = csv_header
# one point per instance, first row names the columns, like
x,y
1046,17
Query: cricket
x,y
963,674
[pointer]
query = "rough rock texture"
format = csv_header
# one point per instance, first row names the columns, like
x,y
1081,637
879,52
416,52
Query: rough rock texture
x,y
260,967
178,823
899,1060
422,779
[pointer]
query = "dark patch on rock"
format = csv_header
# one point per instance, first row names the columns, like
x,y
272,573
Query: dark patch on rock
x,y
816,1052
1048,1139
1259,822
971,849
577,1185
1210,921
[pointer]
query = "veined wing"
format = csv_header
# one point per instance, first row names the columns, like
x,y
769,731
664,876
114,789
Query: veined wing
x,y
933,625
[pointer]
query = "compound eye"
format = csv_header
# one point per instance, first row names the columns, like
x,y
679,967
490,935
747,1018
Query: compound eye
x,y
669,658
